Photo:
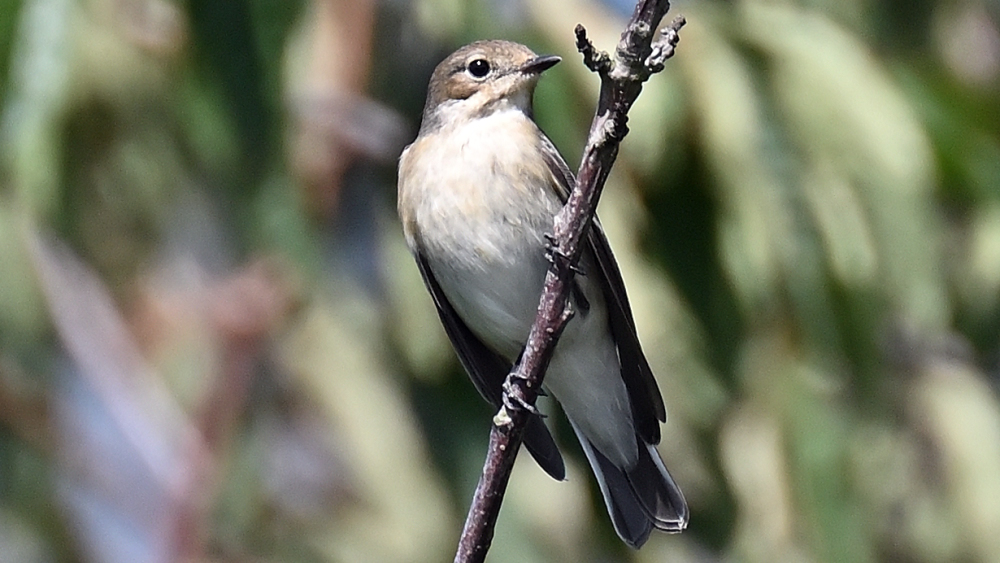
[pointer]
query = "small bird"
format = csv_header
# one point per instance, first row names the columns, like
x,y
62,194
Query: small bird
x,y
478,191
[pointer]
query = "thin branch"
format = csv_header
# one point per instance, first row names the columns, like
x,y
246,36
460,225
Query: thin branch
x,y
636,58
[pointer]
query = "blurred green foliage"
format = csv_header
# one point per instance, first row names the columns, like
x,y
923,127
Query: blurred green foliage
x,y
214,346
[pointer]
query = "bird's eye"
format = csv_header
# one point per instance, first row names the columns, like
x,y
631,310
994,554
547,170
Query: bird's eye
x,y
479,68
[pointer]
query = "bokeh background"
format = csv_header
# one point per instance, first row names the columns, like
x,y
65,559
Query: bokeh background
x,y
215,347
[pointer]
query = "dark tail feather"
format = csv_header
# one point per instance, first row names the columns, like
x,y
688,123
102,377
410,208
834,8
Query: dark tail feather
x,y
543,448
657,492
641,498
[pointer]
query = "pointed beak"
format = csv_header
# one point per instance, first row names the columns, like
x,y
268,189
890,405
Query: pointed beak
x,y
539,64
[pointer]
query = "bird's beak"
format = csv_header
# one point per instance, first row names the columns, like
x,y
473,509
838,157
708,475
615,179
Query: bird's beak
x,y
539,64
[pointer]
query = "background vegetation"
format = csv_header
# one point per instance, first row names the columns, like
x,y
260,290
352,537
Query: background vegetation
x,y
214,346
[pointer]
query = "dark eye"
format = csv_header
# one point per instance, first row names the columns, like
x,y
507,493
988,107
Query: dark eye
x,y
479,68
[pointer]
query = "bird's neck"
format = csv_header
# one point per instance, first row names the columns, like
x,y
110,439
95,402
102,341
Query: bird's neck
x,y
452,114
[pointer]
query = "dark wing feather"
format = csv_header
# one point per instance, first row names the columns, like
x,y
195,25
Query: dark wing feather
x,y
487,370
647,403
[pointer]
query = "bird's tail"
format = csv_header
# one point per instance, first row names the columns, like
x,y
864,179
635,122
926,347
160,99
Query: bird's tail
x,y
639,498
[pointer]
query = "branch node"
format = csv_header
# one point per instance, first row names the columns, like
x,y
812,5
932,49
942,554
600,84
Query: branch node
x,y
663,48
502,419
614,130
566,315
596,60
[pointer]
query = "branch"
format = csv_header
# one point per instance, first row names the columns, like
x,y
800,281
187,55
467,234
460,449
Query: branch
x,y
636,59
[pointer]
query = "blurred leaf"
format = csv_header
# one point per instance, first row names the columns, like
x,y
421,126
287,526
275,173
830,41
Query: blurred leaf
x,y
845,113
22,311
38,94
402,515
961,416
124,444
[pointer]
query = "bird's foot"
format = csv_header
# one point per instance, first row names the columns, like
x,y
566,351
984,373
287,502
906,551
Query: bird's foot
x,y
555,255
515,396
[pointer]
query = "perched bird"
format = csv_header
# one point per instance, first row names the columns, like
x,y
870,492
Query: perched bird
x,y
478,190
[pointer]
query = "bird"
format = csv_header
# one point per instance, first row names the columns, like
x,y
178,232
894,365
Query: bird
x,y
477,193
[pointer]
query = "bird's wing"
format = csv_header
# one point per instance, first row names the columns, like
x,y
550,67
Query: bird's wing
x,y
647,403
487,369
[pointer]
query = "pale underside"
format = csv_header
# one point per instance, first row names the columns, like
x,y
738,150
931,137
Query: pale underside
x,y
481,227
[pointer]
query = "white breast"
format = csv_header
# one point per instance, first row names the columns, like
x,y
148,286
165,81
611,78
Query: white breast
x,y
478,197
